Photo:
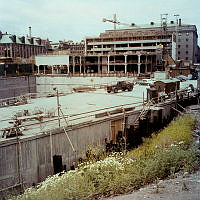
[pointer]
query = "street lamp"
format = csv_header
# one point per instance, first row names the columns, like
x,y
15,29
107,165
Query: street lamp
x,y
58,105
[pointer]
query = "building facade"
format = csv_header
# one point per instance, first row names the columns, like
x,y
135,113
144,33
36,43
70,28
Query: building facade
x,y
21,47
180,40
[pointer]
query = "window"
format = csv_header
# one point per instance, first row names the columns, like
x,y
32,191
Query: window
x,y
178,52
178,58
179,34
179,46
186,39
186,45
186,52
186,58
187,34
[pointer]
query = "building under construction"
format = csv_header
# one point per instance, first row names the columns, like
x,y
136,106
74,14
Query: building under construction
x,y
141,49
137,49
134,50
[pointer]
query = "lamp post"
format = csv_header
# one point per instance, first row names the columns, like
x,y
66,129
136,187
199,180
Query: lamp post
x,y
58,105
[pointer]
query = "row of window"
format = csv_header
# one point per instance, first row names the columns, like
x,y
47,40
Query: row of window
x,y
180,52
179,40
179,46
186,58
179,34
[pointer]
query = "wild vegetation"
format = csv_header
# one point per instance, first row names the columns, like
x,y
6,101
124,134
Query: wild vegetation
x,y
166,153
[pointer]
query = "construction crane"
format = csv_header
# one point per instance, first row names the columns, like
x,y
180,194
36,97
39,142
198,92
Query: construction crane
x,y
114,21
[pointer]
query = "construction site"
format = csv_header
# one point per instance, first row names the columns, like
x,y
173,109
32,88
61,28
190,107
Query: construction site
x,y
121,52
44,136
121,87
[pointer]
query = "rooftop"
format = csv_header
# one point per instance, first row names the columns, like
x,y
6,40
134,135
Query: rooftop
x,y
9,38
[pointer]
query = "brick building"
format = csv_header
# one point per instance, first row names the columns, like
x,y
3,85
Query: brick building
x,y
21,47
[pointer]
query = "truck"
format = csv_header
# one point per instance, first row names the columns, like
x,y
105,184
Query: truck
x,y
121,85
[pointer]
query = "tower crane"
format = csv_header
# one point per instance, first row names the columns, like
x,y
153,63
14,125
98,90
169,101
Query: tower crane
x,y
114,21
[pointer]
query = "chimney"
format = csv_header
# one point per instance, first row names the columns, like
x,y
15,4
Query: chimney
x,y
30,31
179,22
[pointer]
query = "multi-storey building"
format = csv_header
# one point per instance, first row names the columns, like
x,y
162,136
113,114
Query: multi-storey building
x,y
128,50
21,47
179,41
146,38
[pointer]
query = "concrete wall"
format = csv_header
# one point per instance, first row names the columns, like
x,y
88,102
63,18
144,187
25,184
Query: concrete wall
x,y
65,84
29,160
51,60
16,86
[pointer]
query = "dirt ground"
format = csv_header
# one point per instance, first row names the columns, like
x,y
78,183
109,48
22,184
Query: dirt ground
x,y
183,186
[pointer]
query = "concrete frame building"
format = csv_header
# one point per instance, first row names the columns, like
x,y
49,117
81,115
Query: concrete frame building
x,y
128,50
136,49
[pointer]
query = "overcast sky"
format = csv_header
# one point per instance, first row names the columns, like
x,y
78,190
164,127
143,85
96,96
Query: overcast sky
x,y
76,19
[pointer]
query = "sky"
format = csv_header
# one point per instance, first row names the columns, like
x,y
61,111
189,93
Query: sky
x,y
77,19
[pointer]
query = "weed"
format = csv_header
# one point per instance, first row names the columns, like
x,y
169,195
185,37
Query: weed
x,y
160,156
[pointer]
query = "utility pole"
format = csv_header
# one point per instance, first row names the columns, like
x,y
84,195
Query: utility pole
x,y
58,106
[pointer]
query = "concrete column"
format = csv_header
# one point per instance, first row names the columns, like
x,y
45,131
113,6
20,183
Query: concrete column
x,y
146,65
114,64
108,70
84,61
38,69
73,70
44,70
151,63
80,64
139,63
52,69
57,70
139,68
98,64
125,70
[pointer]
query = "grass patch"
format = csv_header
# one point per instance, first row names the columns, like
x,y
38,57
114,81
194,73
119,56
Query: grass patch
x,y
164,154
178,132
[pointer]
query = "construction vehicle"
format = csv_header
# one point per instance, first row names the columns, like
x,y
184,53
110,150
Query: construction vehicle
x,y
121,85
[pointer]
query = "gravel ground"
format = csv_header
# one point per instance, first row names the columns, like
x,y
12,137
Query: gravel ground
x,y
182,187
